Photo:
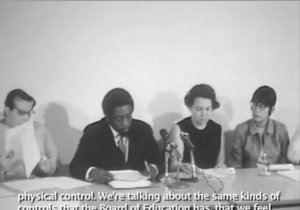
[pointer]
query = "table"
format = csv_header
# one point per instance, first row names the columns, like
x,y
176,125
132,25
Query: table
x,y
245,180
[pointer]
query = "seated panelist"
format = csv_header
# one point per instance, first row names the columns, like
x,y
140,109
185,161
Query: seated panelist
x,y
260,139
18,110
294,148
204,133
115,142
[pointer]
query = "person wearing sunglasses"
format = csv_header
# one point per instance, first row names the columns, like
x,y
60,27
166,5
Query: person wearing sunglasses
x,y
18,111
260,138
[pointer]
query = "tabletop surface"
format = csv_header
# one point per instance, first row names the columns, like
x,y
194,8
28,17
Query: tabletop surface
x,y
245,187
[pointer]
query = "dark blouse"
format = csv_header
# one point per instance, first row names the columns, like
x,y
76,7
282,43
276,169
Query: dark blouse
x,y
207,142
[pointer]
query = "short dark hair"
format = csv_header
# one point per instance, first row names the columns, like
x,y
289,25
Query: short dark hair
x,y
203,91
115,98
265,95
17,93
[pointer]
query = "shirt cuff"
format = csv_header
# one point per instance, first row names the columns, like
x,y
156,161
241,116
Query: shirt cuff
x,y
87,174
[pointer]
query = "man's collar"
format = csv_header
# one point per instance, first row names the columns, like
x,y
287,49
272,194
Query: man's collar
x,y
114,132
269,127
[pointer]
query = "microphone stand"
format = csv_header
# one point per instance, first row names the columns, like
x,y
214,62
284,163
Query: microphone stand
x,y
171,150
194,177
166,179
177,184
186,139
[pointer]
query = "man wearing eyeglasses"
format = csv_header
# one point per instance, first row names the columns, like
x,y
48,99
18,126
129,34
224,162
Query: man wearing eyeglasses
x,y
115,142
18,110
260,138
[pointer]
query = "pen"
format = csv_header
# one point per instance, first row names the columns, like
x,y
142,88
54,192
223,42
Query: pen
x,y
147,167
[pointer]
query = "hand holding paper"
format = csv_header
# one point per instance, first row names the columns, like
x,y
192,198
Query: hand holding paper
x,y
3,168
22,141
44,167
101,176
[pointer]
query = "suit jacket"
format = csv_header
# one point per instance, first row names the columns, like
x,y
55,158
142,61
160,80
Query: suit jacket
x,y
97,148
247,144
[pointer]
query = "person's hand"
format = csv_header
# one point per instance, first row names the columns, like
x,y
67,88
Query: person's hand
x,y
101,176
46,166
221,165
150,171
6,163
3,168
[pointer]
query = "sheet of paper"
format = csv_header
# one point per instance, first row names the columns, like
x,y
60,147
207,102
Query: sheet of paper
x,y
293,175
119,184
31,152
220,172
46,183
128,175
28,184
281,167
13,145
67,182
21,140
4,192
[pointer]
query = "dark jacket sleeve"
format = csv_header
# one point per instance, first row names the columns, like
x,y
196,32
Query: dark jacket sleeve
x,y
153,156
85,156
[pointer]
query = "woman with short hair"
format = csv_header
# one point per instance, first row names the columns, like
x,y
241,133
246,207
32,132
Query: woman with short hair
x,y
260,140
204,133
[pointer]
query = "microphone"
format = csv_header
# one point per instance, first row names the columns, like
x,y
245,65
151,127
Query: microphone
x,y
170,147
171,150
187,141
174,150
190,146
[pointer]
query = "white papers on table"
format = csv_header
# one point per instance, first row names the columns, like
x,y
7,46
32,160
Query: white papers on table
x,y
294,175
21,140
67,182
119,184
281,167
220,172
127,175
46,183
216,172
4,192
27,184
128,179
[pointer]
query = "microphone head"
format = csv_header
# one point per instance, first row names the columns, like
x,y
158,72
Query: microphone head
x,y
164,134
170,147
187,141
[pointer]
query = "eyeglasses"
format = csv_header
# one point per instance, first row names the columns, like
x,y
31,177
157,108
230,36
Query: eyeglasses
x,y
258,106
23,113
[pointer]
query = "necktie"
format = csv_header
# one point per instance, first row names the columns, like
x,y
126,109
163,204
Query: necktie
x,y
122,145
